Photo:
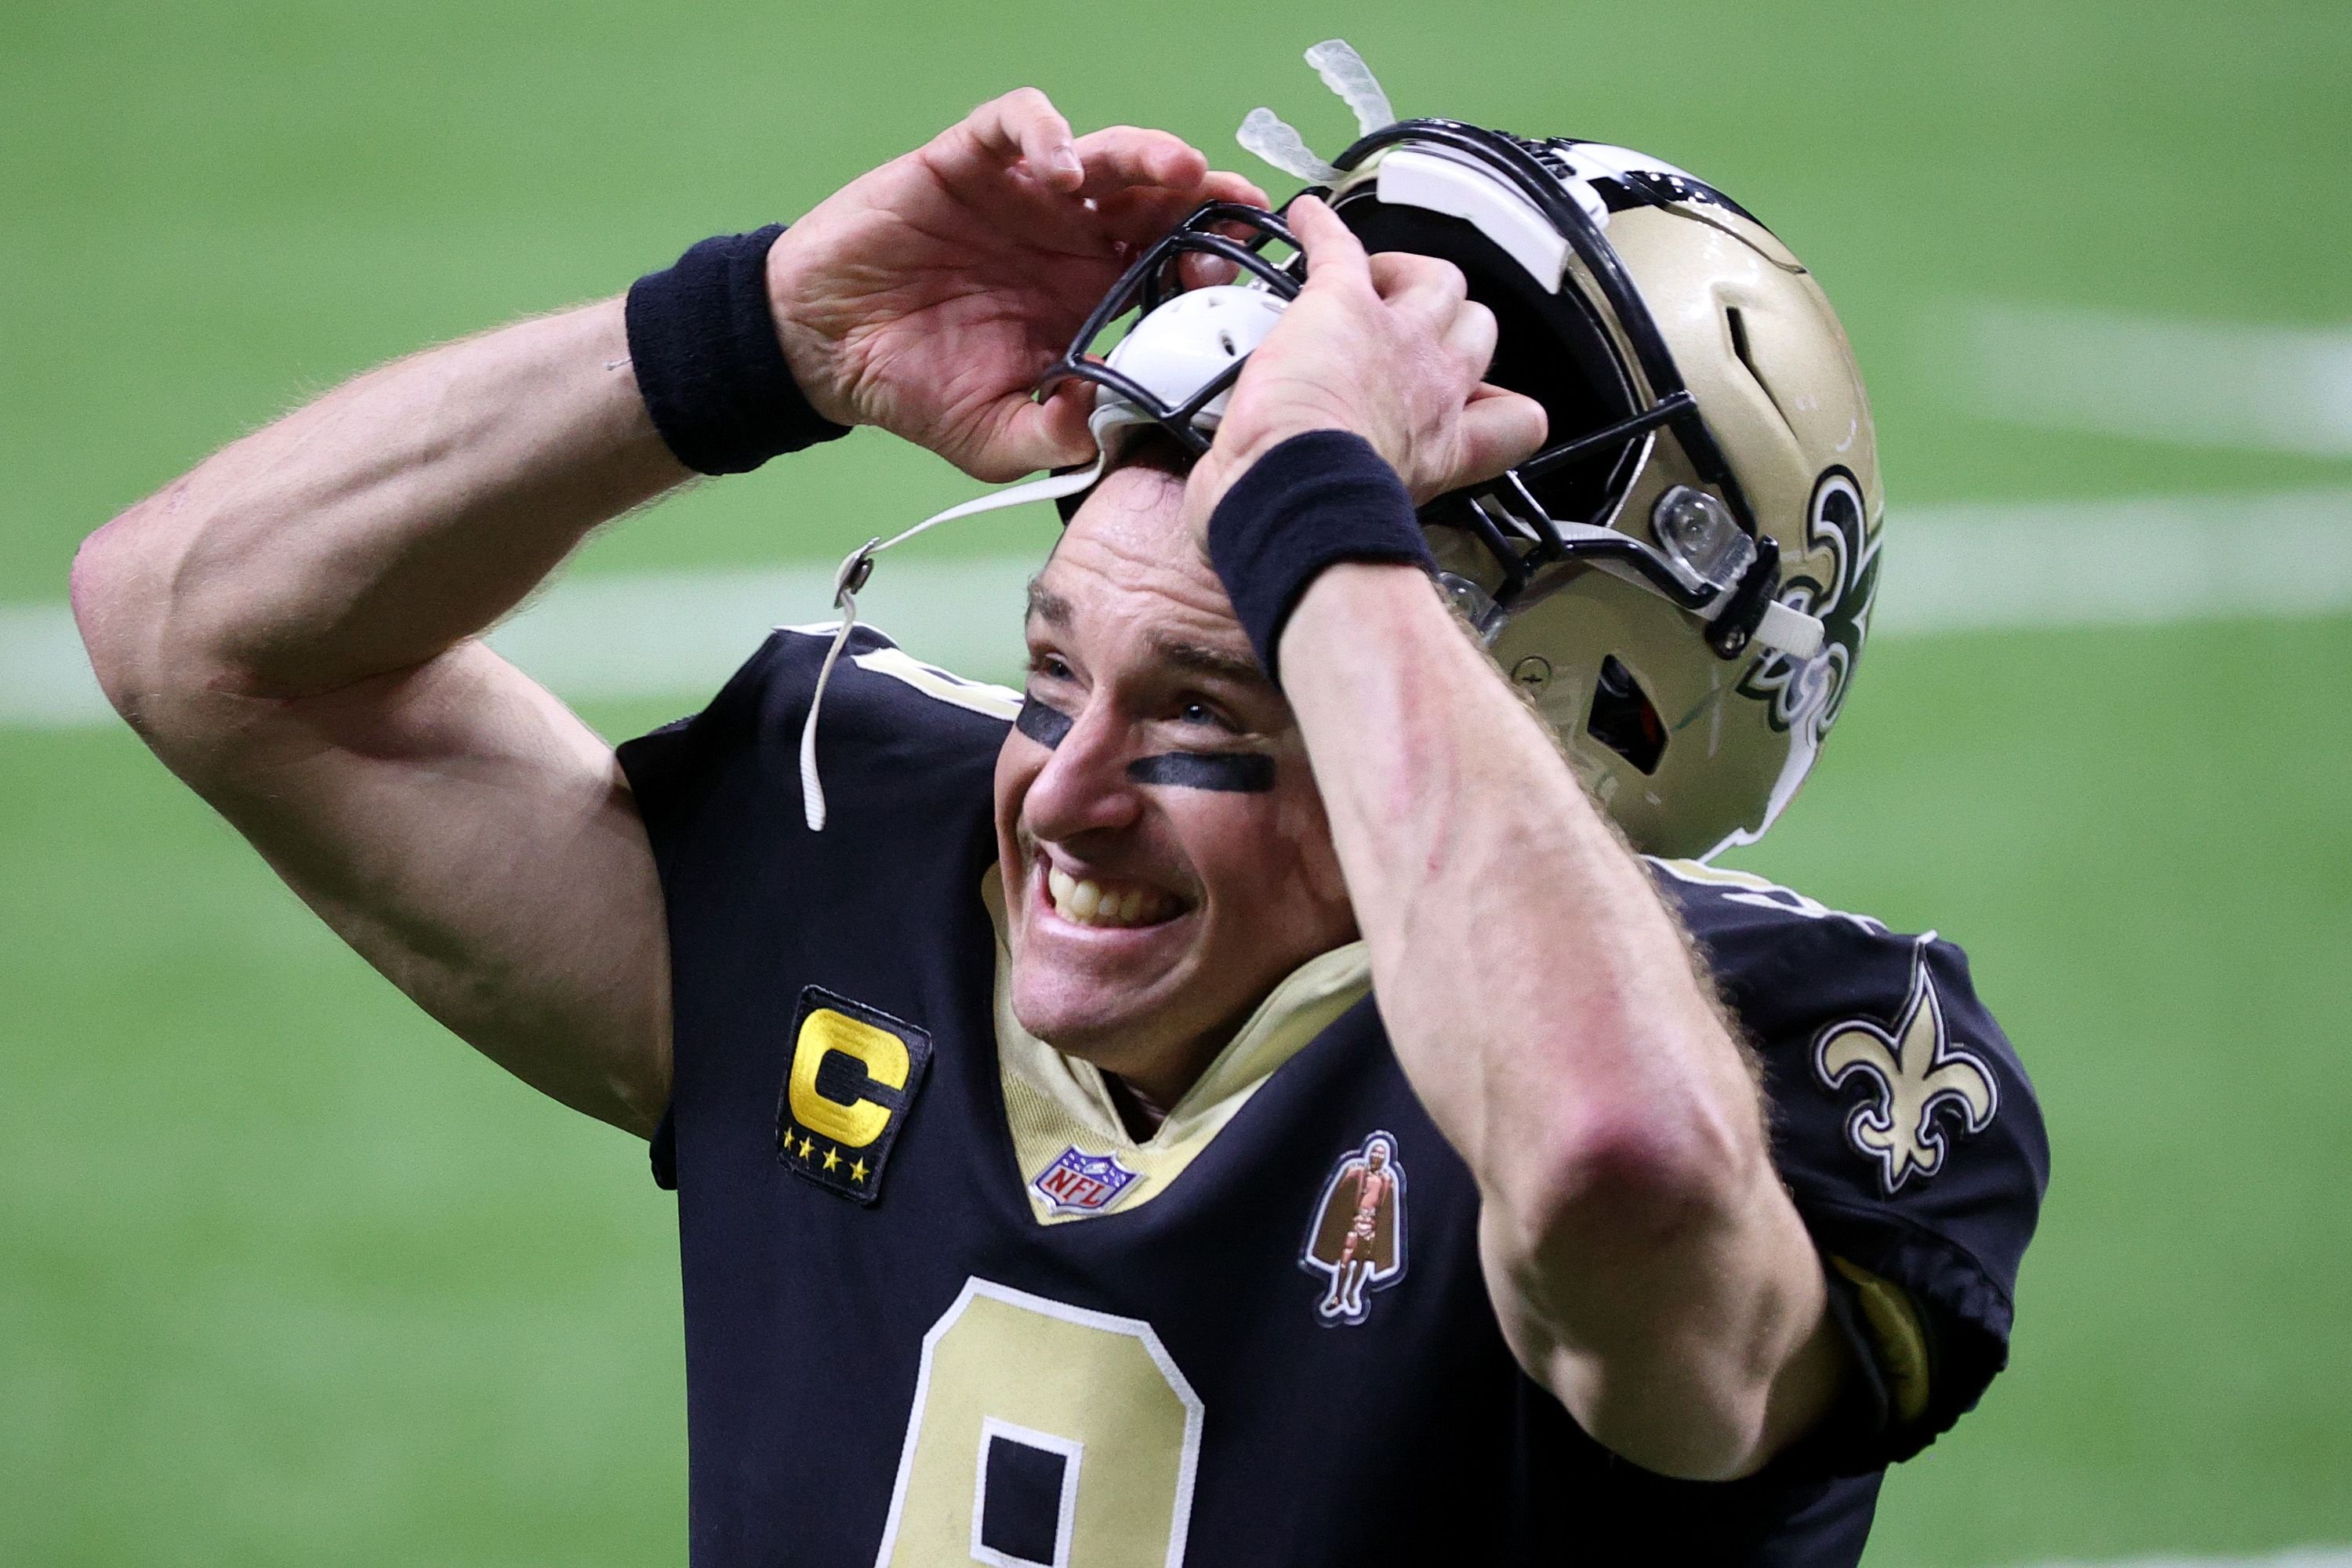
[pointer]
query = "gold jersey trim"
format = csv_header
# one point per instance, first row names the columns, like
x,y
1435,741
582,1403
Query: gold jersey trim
x,y
1895,1328
1054,1103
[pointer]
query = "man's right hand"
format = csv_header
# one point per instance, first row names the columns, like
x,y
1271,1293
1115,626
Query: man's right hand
x,y
928,296
1389,347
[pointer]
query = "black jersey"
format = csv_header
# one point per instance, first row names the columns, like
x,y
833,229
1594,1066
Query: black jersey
x,y
941,1308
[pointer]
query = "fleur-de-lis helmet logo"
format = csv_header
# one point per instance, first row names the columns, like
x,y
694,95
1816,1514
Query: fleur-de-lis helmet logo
x,y
1835,578
1916,1075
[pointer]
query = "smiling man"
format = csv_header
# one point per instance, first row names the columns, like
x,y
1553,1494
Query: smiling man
x,y
1147,918
1251,1039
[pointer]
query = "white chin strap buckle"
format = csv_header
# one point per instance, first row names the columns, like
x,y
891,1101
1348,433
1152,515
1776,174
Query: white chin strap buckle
x,y
1789,631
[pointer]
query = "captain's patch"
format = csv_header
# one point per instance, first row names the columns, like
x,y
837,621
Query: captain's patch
x,y
1356,1240
1917,1078
1080,1183
853,1075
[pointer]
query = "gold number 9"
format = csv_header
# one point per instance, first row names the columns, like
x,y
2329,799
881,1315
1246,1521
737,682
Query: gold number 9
x,y
1103,1438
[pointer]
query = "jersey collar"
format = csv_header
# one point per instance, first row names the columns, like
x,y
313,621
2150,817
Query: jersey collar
x,y
1055,1102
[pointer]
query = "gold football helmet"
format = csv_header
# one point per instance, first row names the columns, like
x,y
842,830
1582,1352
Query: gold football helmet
x,y
1681,581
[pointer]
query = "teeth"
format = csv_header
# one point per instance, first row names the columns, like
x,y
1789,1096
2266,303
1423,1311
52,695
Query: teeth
x,y
1088,902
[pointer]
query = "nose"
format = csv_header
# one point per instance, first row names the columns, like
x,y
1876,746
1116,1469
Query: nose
x,y
1084,787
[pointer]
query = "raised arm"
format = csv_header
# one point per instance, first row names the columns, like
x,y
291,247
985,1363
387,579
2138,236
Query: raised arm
x,y
294,625
1645,1262
291,628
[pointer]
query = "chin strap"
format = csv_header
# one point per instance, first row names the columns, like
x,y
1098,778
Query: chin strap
x,y
858,566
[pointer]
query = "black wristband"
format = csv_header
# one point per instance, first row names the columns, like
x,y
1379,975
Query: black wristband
x,y
702,340
1312,501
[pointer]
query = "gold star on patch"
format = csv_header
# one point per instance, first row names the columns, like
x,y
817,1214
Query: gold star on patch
x,y
858,1172
806,1144
831,1159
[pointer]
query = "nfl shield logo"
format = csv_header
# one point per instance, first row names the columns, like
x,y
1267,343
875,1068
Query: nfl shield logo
x,y
1079,1183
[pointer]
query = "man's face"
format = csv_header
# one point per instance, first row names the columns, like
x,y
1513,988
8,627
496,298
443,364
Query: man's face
x,y
1146,918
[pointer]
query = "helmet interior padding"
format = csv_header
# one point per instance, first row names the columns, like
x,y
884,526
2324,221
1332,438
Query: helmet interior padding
x,y
1580,389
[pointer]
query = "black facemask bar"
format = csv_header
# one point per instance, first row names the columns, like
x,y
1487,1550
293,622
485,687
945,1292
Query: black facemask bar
x,y
1153,278
1151,281
1671,408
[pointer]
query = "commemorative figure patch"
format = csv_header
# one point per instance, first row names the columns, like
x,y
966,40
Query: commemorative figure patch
x,y
1356,1239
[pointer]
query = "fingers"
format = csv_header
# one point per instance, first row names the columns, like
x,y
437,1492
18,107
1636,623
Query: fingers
x,y
1121,156
1141,183
1334,256
1219,185
1426,287
1033,436
1471,336
1025,126
1429,289
1199,271
1500,429
1125,157
1133,184
1224,185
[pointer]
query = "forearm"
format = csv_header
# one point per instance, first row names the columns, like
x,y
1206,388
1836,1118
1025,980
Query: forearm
x,y
1644,1259
1462,830
373,529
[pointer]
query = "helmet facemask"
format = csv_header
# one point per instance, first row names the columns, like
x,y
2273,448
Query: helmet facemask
x,y
1169,370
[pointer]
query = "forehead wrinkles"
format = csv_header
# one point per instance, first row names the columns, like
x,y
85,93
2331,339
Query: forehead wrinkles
x,y
1146,582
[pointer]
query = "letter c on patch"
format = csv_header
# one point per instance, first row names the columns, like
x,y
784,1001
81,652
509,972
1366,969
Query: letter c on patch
x,y
855,1123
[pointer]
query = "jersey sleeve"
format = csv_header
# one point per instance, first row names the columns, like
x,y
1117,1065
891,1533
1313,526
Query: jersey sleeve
x,y
889,723
673,770
720,792
1905,1128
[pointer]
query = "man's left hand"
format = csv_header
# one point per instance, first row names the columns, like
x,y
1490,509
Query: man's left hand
x,y
928,296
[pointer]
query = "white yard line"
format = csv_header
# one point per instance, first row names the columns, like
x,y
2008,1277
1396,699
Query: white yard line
x,y
682,633
1947,569
2301,1557
2115,563
2196,383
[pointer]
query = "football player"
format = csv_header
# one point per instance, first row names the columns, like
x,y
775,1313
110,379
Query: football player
x,y
1529,509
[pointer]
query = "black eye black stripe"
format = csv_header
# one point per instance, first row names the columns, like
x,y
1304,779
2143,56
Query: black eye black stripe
x,y
1045,725
1244,773
1240,773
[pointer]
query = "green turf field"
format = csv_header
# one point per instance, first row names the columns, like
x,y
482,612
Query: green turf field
x,y
286,1275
